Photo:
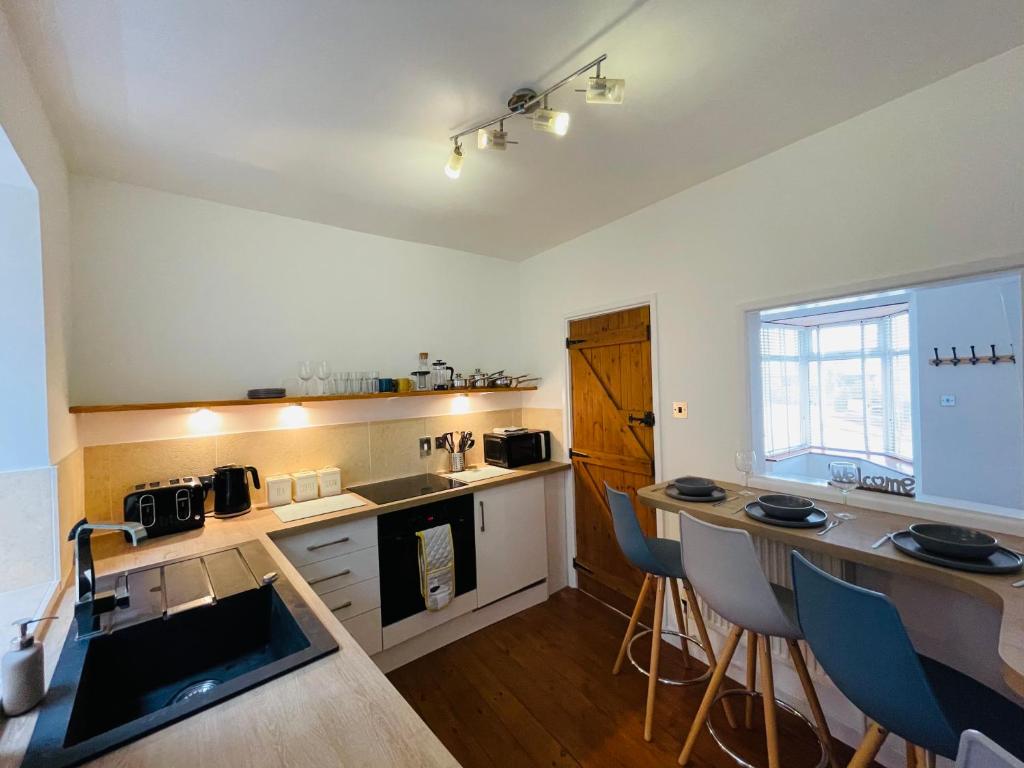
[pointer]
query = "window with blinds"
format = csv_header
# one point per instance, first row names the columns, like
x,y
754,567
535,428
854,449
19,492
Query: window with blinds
x,y
837,385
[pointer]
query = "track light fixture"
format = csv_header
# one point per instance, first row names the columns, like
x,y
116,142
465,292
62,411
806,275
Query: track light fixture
x,y
453,167
528,103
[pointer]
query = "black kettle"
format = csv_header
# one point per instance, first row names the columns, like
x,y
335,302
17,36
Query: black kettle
x,y
231,489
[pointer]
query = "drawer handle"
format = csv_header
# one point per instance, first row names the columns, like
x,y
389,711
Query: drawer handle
x,y
346,572
346,604
315,547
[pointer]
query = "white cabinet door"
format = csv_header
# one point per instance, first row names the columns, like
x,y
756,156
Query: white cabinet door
x,y
511,539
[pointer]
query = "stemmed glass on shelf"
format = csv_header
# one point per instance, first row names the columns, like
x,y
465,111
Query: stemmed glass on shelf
x,y
744,461
323,373
305,373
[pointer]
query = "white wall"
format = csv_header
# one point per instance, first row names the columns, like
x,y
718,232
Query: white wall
x,y
26,125
975,450
928,181
23,433
177,298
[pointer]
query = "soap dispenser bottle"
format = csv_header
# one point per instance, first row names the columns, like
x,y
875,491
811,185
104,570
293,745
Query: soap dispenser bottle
x,y
21,671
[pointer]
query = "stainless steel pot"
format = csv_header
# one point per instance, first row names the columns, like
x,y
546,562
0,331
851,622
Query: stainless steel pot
x,y
461,382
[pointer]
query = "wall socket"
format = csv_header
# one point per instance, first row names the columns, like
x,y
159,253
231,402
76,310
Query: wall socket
x,y
425,447
680,410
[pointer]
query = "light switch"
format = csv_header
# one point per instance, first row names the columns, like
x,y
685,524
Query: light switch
x,y
679,410
947,401
425,446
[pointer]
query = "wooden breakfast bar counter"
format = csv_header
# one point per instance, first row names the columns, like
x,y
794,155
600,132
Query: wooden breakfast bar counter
x,y
851,541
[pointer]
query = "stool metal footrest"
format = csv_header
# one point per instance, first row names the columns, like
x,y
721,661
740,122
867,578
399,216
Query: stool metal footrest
x,y
667,680
822,761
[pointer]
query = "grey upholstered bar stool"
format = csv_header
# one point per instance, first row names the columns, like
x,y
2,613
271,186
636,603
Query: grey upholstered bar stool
x,y
660,561
723,567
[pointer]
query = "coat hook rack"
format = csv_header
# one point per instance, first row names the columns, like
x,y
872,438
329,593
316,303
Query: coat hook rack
x,y
955,360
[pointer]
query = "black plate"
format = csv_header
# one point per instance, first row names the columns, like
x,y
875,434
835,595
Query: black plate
x,y
266,393
816,519
716,495
1000,561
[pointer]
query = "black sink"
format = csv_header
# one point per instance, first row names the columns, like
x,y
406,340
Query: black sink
x,y
115,688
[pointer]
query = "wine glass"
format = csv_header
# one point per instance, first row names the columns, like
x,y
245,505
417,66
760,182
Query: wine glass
x,y
305,373
323,373
744,461
844,475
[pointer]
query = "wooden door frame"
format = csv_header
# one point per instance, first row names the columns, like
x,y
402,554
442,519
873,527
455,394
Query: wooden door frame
x,y
651,301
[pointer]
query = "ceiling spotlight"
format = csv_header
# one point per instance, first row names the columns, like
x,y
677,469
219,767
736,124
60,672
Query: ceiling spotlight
x,y
605,90
491,139
453,167
551,121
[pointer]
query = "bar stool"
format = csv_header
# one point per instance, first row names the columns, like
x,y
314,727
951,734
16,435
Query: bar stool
x,y
724,568
661,561
859,639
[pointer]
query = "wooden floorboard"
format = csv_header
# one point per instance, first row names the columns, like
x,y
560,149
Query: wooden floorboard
x,y
536,690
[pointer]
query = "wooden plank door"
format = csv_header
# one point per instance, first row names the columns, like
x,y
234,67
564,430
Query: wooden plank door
x,y
612,442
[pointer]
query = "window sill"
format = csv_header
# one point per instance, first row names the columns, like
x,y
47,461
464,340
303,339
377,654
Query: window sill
x,y
894,463
992,518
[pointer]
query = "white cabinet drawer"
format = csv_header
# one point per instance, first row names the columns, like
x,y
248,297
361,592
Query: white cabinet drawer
x,y
304,547
354,599
366,630
328,575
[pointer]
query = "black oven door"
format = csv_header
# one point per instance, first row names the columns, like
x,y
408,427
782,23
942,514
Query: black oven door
x,y
400,595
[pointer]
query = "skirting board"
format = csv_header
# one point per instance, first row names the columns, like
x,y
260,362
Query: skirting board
x,y
468,623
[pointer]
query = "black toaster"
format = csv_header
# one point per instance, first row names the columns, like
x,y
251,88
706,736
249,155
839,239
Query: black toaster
x,y
170,507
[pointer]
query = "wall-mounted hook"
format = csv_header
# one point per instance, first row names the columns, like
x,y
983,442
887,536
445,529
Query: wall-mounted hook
x,y
995,358
956,360
937,360
974,357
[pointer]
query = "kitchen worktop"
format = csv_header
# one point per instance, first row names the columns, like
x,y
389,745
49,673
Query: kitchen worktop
x,y
338,711
852,541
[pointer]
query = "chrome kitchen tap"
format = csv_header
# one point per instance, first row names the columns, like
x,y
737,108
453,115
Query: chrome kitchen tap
x,y
89,604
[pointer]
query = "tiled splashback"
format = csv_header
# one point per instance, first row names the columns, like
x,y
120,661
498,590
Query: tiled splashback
x,y
365,451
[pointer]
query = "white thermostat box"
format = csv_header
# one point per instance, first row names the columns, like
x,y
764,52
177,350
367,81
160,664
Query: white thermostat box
x,y
329,480
304,485
279,490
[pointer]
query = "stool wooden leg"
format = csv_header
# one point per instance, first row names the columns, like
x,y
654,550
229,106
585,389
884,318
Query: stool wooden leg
x,y
633,620
869,746
748,717
812,699
709,695
652,679
680,621
924,758
912,756
768,697
705,639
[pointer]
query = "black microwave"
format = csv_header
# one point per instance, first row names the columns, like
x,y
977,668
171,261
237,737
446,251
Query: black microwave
x,y
517,449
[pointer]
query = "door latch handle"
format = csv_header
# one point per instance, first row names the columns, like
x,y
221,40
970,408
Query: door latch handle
x,y
647,419
574,454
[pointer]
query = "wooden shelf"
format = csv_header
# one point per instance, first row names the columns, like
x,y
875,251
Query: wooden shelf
x,y
295,400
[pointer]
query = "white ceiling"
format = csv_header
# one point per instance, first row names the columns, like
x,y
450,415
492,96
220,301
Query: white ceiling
x,y
339,112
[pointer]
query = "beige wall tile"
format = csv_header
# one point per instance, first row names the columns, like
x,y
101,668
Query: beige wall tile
x,y
129,464
394,448
70,502
96,467
27,528
272,453
346,446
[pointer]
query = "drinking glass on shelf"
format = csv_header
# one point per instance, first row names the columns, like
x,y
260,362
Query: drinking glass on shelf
x,y
305,373
323,373
375,381
844,476
744,461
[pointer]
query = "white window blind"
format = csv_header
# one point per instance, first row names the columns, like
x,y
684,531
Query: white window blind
x,y
838,385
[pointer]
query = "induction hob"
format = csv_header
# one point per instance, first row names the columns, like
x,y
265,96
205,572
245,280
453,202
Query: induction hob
x,y
405,488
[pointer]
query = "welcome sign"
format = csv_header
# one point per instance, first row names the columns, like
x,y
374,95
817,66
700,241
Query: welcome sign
x,y
897,486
